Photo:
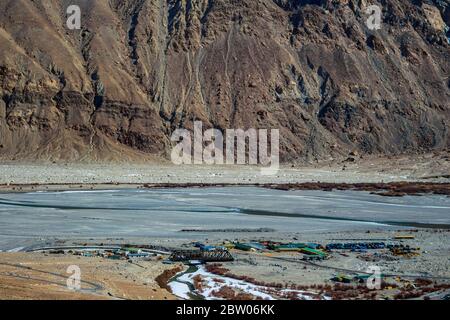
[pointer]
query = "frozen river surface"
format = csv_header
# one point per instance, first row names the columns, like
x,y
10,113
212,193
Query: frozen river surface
x,y
163,213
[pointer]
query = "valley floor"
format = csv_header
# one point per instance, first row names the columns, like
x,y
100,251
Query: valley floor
x,y
25,275
43,275
51,176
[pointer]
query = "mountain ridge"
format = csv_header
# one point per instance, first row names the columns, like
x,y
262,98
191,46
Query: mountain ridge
x,y
137,70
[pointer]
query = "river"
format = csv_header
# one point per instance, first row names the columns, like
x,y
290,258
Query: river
x,y
26,218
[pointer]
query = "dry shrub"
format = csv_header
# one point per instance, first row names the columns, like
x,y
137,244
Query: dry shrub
x,y
420,282
198,283
225,292
407,295
442,286
228,293
244,296
216,268
218,280
163,279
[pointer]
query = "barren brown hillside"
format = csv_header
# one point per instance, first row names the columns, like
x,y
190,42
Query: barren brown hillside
x,y
138,69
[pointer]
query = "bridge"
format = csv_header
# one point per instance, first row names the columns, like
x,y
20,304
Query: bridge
x,y
218,255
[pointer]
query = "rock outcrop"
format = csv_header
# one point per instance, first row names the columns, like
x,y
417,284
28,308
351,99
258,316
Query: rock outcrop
x,y
139,69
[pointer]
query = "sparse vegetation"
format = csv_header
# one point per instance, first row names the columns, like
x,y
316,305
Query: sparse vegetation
x,y
163,279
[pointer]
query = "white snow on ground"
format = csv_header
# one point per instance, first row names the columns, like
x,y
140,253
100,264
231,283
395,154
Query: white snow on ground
x,y
180,289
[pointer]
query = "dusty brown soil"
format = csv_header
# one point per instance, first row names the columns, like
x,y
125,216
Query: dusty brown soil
x,y
393,189
43,277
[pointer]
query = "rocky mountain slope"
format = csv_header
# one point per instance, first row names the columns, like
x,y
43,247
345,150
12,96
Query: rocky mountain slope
x,y
138,69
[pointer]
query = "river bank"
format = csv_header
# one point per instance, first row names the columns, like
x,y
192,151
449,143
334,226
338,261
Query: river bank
x,y
427,168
